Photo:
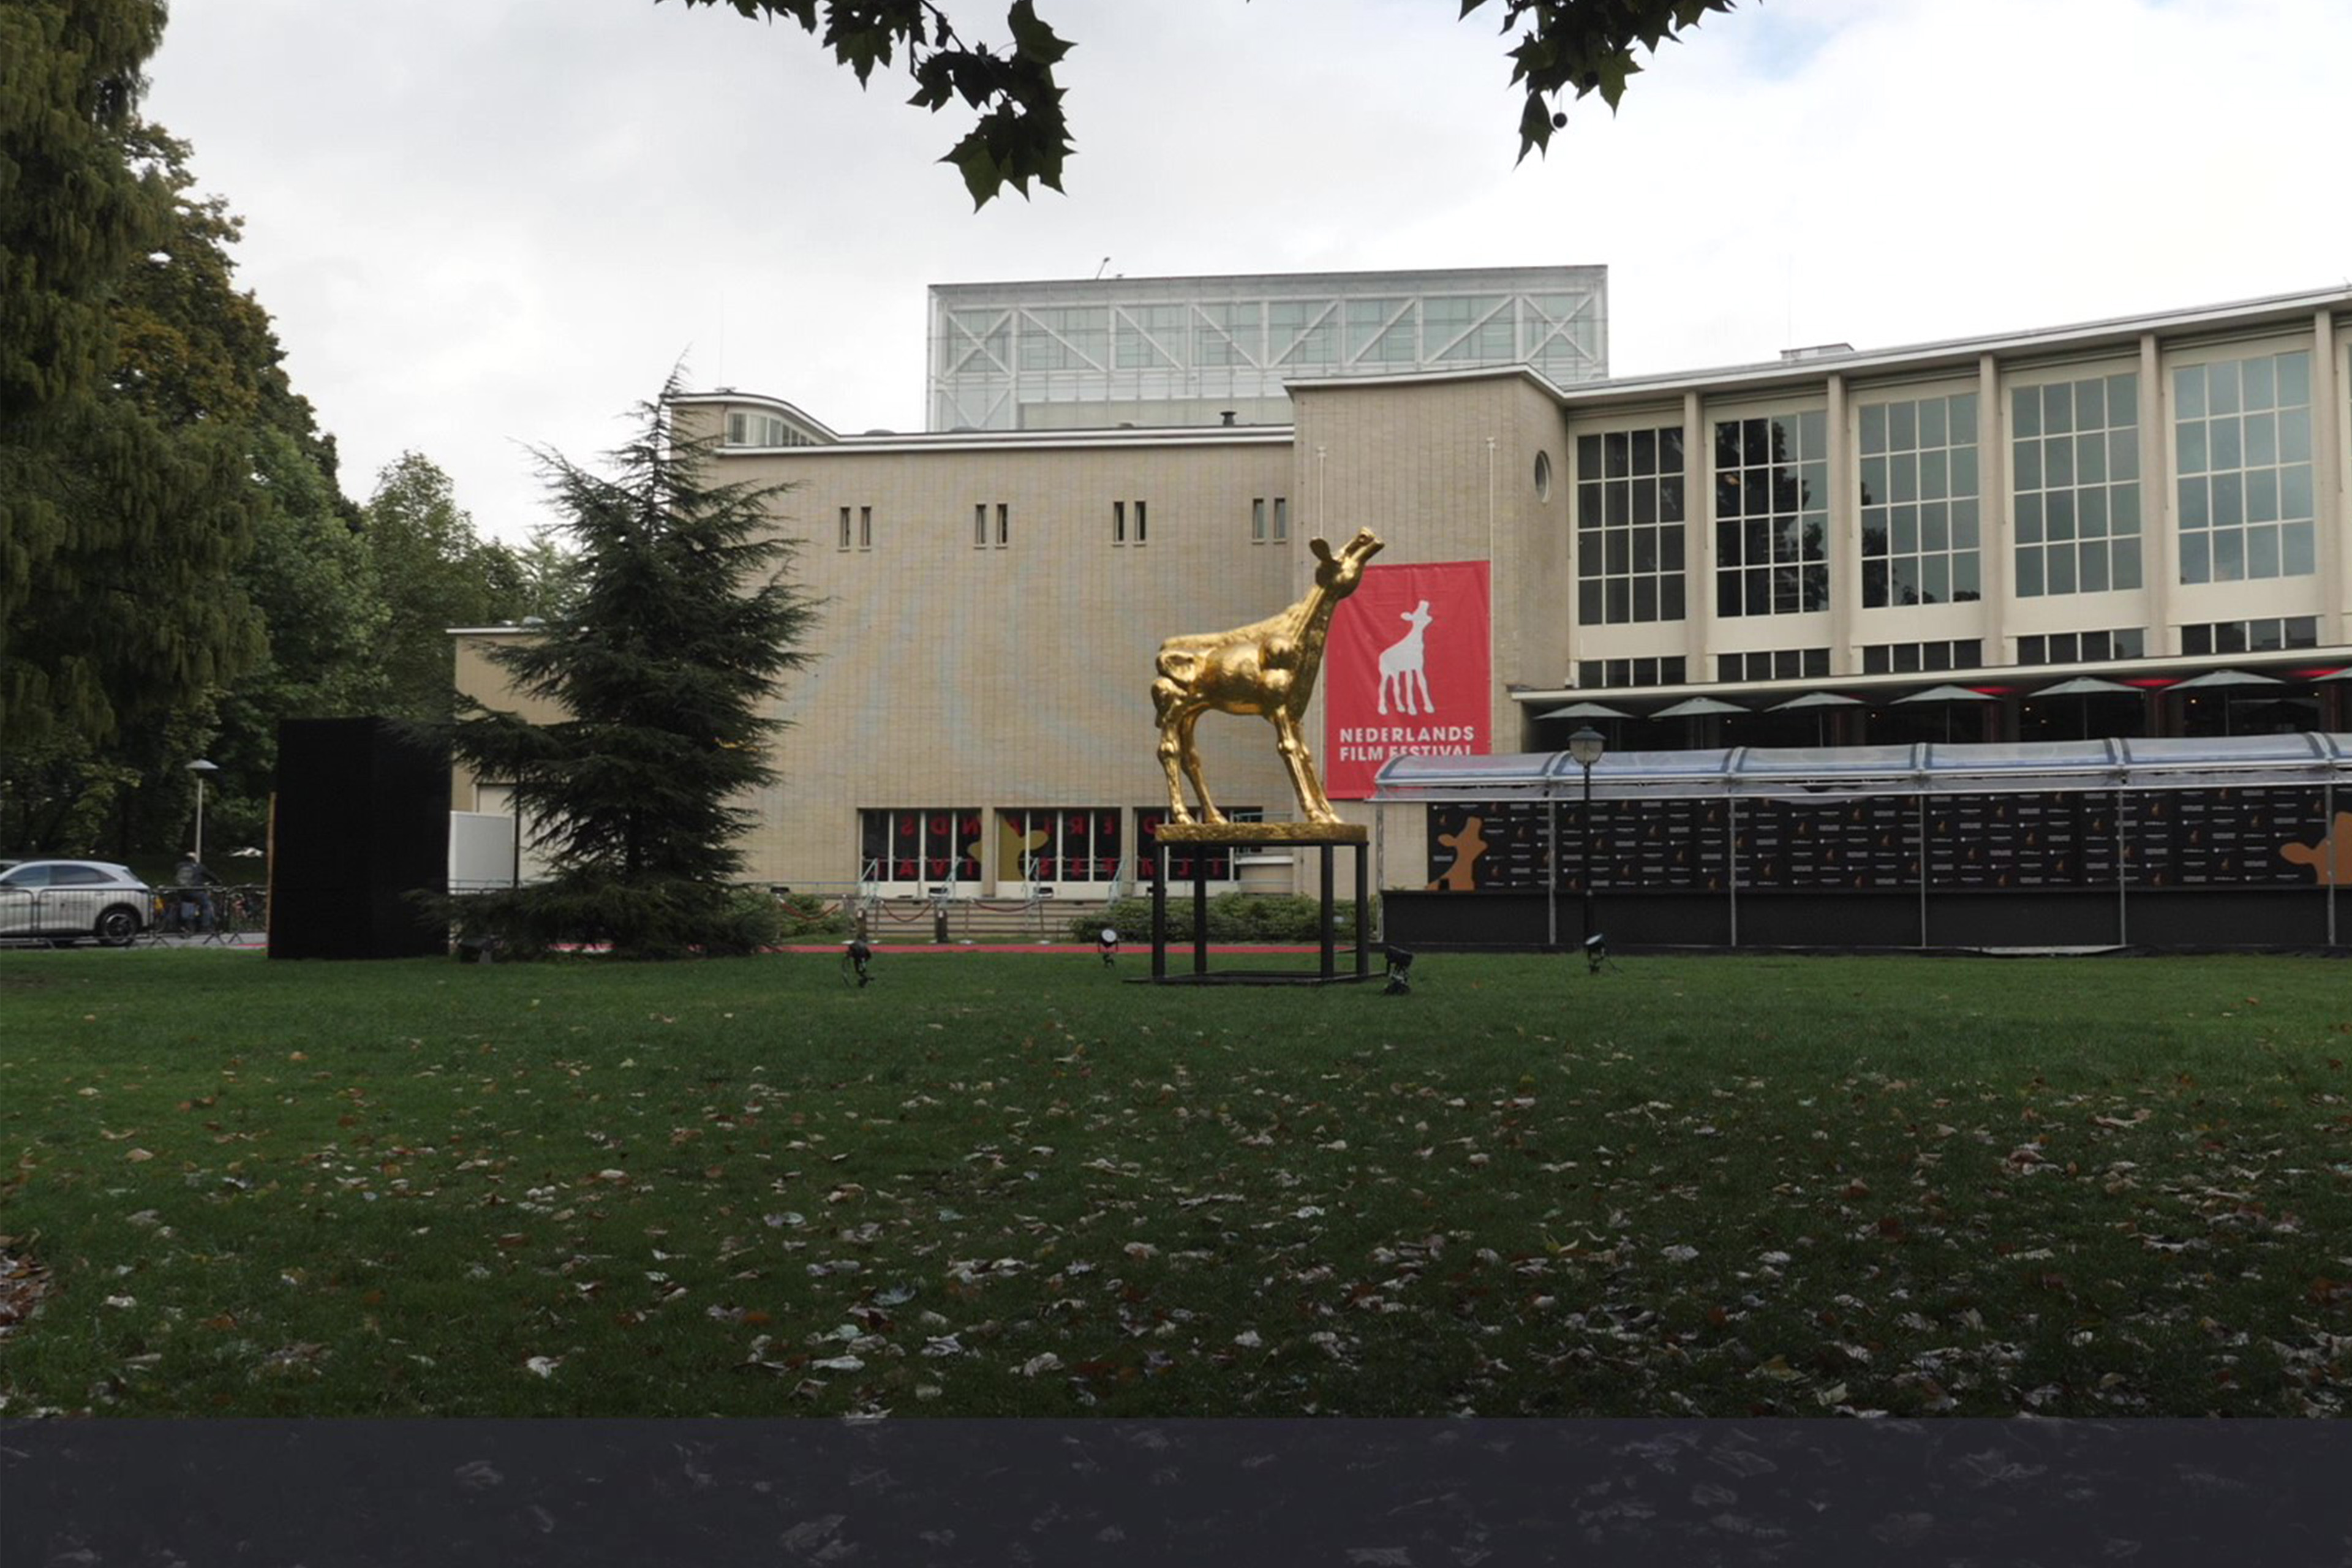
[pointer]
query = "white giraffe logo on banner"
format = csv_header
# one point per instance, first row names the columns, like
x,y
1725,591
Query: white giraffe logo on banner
x,y
1404,666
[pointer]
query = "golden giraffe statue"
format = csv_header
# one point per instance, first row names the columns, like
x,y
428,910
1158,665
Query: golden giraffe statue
x,y
1267,667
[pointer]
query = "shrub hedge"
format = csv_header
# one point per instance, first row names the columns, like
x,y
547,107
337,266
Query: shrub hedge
x,y
1233,918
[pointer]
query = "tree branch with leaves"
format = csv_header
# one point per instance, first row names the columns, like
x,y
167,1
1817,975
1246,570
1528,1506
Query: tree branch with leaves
x,y
1560,50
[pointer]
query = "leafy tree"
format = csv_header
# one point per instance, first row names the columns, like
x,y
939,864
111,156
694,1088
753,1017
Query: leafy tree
x,y
435,572
239,596
685,621
114,522
1560,48
310,577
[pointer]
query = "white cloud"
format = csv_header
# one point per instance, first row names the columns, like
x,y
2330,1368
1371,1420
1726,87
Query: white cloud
x,y
482,226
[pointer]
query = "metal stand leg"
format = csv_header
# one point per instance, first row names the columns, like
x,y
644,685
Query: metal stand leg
x,y
1159,912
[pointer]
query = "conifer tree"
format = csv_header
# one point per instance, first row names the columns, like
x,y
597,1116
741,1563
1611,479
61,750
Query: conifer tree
x,y
117,525
665,664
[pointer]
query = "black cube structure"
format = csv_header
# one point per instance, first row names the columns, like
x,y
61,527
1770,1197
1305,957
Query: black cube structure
x,y
362,826
1324,839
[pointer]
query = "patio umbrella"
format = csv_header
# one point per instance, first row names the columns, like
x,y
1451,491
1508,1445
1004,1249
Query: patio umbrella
x,y
1948,696
1586,711
2083,686
1819,702
1697,708
2223,679
2086,687
2227,678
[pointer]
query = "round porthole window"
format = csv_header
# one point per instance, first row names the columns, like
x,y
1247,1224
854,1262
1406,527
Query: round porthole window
x,y
1543,476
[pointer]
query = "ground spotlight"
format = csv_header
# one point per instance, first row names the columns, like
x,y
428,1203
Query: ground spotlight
x,y
1106,943
1399,966
857,960
1596,953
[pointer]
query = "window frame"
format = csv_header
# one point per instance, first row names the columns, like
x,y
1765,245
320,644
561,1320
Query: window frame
x,y
1822,587
1861,404
2203,357
1668,576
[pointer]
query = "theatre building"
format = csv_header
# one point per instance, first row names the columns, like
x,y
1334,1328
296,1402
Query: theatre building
x,y
2124,530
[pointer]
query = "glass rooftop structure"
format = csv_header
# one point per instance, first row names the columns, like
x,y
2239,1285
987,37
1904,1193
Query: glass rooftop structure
x,y
1204,351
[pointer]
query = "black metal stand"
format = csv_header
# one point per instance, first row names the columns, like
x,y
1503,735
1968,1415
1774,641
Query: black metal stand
x,y
1327,974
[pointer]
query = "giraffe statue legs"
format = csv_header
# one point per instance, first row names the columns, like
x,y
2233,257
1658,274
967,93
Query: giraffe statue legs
x,y
1313,805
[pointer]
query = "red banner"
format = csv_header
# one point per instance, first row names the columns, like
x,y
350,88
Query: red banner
x,y
1406,671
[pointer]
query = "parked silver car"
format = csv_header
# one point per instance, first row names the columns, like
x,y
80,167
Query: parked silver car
x,y
64,899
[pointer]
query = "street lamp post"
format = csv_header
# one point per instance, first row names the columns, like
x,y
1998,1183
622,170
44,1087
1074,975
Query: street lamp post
x,y
1587,746
202,769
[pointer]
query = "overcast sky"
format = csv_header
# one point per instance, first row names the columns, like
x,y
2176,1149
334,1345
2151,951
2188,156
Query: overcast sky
x,y
488,226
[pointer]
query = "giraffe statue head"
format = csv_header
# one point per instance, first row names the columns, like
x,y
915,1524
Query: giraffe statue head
x,y
1337,574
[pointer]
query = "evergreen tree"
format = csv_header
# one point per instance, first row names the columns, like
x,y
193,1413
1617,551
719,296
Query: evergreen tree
x,y
119,520
666,665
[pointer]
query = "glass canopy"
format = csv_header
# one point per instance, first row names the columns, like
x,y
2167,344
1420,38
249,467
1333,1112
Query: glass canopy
x,y
1926,768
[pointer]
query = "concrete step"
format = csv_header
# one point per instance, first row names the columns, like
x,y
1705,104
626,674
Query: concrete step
x,y
975,920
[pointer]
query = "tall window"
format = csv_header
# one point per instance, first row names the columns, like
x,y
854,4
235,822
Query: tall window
x,y
934,844
2242,450
845,528
1772,515
1628,526
2075,462
1281,519
1919,521
1059,844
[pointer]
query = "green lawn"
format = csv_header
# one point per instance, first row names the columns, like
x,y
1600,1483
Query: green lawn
x,y
1012,1186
